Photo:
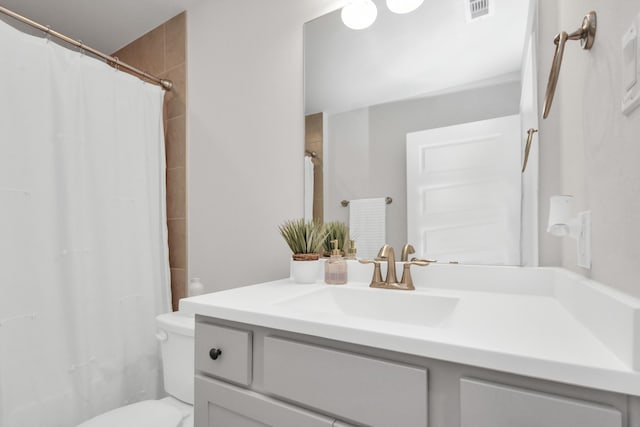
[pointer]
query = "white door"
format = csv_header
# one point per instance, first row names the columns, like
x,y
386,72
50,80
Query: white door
x,y
464,192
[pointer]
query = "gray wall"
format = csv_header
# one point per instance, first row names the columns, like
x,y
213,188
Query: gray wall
x,y
366,148
588,147
246,137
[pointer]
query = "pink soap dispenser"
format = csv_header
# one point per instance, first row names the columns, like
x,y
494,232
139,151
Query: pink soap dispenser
x,y
335,268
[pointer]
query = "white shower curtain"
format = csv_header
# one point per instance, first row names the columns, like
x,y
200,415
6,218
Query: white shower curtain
x,y
83,252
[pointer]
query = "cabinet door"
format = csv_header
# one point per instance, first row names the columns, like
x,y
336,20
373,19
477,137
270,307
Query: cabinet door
x,y
218,404
486,404
371,391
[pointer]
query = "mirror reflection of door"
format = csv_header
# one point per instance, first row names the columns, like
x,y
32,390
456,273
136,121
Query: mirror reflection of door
x,y
464,192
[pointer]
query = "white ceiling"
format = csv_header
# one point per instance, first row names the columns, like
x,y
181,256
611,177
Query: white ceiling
x,y
431,50
344,69
106,25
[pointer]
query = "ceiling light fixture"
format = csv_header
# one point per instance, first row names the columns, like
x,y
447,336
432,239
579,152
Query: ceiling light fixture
x,y
359,14
403,6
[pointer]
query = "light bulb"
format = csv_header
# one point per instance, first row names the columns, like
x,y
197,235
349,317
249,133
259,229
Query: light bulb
x,y
359,14
403,6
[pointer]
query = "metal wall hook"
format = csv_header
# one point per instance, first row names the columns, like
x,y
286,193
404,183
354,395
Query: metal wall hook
x,y
587,35
527,147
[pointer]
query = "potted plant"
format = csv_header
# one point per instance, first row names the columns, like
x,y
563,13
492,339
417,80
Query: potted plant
x,y
335,230
305,239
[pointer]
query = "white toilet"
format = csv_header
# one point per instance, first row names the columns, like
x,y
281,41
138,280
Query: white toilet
x,y
175,333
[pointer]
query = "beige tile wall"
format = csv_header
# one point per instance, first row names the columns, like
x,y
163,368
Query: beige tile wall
x,y
162,52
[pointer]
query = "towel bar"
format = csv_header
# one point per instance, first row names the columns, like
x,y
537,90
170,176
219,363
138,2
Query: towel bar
x,y
387,199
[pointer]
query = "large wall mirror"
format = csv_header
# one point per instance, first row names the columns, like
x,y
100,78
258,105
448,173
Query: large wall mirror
x,y
425,77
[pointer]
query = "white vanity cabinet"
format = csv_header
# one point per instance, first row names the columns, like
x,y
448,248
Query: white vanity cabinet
x,y
223,405
224,353
485,404
247,376
369,390
268,377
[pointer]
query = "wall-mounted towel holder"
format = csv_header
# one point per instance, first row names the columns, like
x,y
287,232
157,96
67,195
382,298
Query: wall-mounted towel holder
x,y
387,199
586,34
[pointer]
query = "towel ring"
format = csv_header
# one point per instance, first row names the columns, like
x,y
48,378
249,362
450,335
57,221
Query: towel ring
x,y
586,34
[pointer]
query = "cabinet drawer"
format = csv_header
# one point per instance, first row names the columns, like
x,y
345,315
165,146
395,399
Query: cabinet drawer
x,y
222,405
353,387
233,363
484,404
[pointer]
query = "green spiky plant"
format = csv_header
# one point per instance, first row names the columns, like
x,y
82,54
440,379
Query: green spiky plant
x,y
305,238
336,230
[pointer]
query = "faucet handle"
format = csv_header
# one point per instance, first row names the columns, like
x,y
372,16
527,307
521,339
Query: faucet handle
x,y
421,262
406,280
377,273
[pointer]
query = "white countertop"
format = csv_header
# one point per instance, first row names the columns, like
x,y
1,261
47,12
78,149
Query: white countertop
x,y
556,330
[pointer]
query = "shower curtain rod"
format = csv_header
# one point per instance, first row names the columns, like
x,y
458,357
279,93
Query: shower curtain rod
x,y
115,62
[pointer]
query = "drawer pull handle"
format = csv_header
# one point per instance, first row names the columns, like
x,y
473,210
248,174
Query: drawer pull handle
x,y
214,353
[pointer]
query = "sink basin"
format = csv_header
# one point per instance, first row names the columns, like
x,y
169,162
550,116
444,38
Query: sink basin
x,y
374,304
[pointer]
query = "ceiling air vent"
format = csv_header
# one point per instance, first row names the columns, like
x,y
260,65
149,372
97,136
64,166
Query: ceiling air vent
x,y
478,8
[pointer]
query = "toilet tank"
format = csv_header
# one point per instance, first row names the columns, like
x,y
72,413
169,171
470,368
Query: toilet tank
x,y
175,334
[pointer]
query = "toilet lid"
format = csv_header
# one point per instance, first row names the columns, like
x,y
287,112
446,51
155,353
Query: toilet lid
x,y
149,413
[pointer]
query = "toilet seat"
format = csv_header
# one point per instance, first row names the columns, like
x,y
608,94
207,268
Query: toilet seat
x,y
167,412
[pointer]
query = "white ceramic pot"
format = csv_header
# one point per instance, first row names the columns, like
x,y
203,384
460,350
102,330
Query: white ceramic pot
x,y
305,271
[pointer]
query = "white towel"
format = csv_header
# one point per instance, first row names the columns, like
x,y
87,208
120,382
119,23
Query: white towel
x,y
308,188
367,225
